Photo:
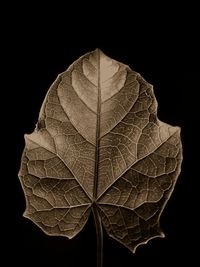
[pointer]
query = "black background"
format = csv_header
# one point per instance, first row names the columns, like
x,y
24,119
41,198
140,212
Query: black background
x,y
159,42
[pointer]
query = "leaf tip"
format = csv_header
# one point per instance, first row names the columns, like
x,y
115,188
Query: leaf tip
x,y
70,236
134,250
178,129
26,137
98,50
162,235
25,214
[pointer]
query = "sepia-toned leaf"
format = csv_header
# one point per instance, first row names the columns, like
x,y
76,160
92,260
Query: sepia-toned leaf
x,y
98,143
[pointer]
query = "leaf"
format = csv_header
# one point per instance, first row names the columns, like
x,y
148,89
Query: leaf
x,y
98,143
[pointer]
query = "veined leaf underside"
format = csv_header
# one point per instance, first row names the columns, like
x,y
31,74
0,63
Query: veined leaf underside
x,y
98,143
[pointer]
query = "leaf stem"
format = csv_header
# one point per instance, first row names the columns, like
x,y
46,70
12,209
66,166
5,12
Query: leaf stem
x,y
99,232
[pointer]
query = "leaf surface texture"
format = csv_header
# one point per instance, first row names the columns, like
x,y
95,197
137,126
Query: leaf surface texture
x,y
98,140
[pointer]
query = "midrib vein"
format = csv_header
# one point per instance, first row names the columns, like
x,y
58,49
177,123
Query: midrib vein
x,y
96,171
